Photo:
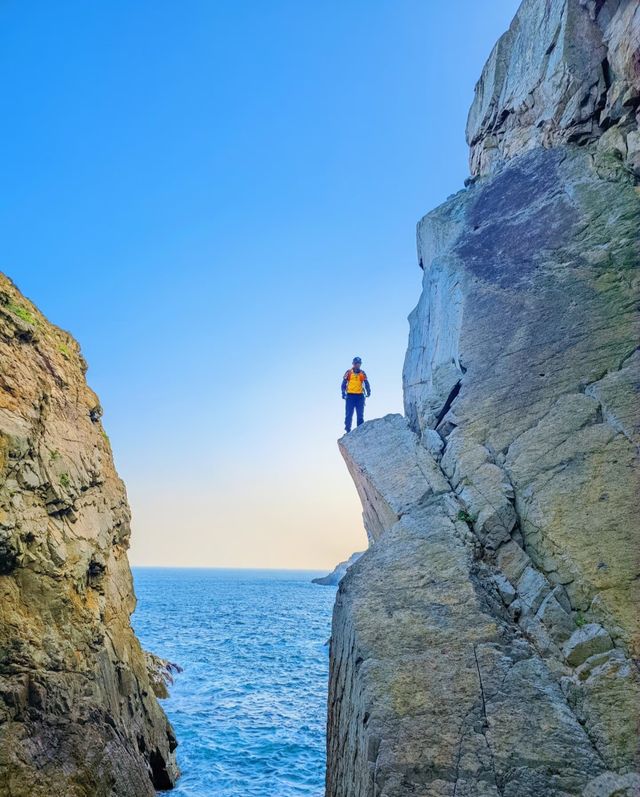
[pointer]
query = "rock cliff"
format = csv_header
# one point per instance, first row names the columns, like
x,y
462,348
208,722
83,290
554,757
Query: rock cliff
x,y
487,643
78,714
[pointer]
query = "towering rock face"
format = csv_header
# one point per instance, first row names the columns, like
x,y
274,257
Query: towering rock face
x,y
78,716
563,72
487,642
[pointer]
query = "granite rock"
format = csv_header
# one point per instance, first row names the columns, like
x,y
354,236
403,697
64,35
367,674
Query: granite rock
x,y
555,616
604,693
389,481
612,784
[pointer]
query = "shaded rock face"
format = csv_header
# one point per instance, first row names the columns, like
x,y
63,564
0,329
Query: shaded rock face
x,y
487,642
78,715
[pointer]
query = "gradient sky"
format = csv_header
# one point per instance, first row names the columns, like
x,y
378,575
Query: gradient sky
x,y
218,199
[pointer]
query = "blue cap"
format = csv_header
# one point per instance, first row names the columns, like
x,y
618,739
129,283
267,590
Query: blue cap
x,y
357,360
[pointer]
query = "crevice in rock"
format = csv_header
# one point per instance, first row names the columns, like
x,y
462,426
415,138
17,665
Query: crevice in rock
x,y
447,405
160,777
485,724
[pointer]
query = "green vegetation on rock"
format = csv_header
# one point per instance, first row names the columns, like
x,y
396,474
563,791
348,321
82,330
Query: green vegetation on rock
x,y
22,313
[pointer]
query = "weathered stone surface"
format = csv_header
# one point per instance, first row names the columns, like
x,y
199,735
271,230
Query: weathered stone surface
x,y
533,587
432,441
611,784
617,394
586,642
512,561
505,589
523,358
433,687
390,480
556,618
333,578
564,71
78,716
397,726
483,488
541,294
605,694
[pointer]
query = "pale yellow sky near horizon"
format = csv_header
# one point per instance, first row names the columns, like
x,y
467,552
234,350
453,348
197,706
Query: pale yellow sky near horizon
x,y
252,533
276,501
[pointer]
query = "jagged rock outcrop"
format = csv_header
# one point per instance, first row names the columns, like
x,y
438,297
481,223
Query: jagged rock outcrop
x,y
487,643
78,714
333,578
563,72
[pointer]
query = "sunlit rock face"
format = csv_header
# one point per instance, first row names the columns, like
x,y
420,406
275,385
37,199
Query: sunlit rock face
x,y
563,72
78,715
486,644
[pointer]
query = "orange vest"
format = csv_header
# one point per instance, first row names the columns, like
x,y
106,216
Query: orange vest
x,y
355,381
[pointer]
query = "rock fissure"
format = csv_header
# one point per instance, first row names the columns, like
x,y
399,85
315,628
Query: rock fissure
x,y
448,404
485,726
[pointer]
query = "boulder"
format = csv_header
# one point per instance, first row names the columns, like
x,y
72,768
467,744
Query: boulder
x,y
506,591
585,642
533,587
555,617
391,470
512,561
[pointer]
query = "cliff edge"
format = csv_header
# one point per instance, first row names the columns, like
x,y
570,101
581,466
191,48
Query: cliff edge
x,y
487,642
78,714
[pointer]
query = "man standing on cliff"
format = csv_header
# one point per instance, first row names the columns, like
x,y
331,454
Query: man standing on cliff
x,y
355,386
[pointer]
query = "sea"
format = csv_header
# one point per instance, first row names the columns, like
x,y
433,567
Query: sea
x,y
249,707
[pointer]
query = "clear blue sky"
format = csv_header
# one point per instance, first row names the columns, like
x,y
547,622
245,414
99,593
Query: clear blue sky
x,y
218,199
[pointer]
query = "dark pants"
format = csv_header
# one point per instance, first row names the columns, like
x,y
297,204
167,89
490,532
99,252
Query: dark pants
x,y
354,401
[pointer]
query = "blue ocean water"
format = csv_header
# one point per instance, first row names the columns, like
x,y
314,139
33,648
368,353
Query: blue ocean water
x,y
249,708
